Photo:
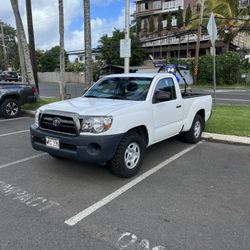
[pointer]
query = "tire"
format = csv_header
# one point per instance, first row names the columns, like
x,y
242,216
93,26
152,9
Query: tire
x,y
194,134
129,155
10,108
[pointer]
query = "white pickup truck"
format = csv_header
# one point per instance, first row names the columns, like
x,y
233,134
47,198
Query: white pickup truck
x,y
117,118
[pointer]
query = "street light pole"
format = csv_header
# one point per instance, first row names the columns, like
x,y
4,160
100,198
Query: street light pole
x,y
127,12
197,50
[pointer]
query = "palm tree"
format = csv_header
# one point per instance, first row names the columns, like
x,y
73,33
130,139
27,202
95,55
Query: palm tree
x,y
22,44
87,44
230,19
62,55
32,41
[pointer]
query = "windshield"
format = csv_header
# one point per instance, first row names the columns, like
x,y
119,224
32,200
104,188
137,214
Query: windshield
x,y
126,88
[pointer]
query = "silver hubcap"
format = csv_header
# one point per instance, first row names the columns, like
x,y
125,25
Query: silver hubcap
x,y
132,155
11,109
197,129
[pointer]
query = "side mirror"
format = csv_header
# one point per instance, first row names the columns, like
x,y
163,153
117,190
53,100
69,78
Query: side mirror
x,y
162,96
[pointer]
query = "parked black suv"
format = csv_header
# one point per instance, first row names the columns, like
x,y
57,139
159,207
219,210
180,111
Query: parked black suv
x,y
9,76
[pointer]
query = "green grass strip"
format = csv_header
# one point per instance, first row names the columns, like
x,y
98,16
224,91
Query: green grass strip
x,y
230,120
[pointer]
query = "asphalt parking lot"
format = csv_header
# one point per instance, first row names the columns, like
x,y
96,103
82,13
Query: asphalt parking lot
x,y
185,197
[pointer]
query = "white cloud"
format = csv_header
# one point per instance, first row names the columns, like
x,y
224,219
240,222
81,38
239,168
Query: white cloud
x,y
45,20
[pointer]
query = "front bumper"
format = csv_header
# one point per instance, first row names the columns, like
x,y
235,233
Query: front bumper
x,y
88,148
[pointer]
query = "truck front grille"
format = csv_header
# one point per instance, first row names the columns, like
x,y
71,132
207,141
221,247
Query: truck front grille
x,y
58,123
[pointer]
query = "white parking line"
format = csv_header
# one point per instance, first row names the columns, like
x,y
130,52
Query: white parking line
x,y
235,100
91,209
23,160
14,133
14,119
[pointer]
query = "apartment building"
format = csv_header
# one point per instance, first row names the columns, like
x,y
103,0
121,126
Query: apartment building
x,y
165,43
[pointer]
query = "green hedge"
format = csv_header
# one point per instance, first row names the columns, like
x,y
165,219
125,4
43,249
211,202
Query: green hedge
x,y
228,68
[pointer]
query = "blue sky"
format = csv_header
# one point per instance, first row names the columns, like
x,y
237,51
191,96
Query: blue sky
x,y
105,16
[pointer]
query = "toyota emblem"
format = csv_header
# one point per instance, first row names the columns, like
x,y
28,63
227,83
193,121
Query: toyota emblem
x,y
56,122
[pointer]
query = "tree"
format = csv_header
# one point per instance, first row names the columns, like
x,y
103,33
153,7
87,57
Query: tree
x,y
188,15
230,19
151,24
160,25
110,49
87,44
62,52
179,18
49,61
9,36
32,41
138,25
169,21
22,43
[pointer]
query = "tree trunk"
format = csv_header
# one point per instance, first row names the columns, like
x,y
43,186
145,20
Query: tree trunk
x,y
62,55
227,46
87,44
23,43
31,41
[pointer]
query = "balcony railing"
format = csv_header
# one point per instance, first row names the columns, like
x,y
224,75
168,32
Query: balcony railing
x,y
172,5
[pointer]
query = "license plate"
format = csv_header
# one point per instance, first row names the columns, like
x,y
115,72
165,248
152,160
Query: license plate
x,y
52,143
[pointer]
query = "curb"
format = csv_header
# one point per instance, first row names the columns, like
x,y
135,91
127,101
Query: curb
x,y
28,112
226,138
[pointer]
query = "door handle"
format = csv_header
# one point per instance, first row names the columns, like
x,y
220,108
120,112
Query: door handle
x,y
178,106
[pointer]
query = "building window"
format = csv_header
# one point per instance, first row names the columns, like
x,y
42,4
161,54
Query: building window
x,y
144,6
164,23
156,5
80,58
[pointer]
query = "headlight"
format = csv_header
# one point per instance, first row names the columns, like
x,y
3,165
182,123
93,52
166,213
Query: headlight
x,y
96,124
37,113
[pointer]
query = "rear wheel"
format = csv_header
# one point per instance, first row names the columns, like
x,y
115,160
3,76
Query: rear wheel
x,y
194,134
10,108
128,157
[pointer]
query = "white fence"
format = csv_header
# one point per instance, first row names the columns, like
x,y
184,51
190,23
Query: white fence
x,y
70,77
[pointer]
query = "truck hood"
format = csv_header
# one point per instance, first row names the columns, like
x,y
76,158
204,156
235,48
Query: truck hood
x,y
89,106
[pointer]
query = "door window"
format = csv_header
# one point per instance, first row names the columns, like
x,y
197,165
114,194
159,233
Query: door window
x,y
165,86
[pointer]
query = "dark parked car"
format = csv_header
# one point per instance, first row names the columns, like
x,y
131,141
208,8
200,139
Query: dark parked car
x,y
9,76
12,96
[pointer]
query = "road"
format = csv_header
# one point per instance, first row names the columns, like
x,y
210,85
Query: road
x,y
186,197
232,96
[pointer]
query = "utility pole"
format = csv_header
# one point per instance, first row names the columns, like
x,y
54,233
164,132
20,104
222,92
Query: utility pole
x,y
197,50
87,44
127,13
32,42
4,47
62,55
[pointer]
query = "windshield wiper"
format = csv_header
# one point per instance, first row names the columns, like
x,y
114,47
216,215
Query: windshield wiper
x,y
116,97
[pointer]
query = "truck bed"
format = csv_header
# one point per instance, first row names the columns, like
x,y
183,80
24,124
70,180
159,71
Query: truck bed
x,y
192,95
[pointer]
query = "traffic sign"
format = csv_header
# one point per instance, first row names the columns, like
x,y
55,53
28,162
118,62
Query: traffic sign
x,y
212,29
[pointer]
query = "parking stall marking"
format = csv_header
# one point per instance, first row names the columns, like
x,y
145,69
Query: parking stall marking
x,y
91,209
15,133
29,199
22,160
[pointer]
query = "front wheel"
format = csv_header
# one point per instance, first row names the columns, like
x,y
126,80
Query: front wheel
x,y
128,157
10,108
194,134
